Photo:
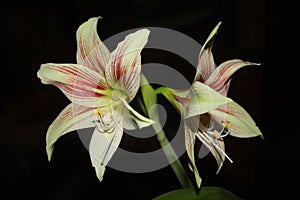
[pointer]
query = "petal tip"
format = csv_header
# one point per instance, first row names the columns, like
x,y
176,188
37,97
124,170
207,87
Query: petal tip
x,y
217,28
100,172
95,18
39,75
49,151
198,182
219,169
259,133
252,63
145,32
228,100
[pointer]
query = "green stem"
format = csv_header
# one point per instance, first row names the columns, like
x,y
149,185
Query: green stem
x,y
172,157
149,104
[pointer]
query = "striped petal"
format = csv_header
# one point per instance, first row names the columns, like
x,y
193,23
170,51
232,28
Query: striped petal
x,y
206,63
219,79
216,146
71,118
103,145
204,99
124,65
190,144
241,123
91,52
79,83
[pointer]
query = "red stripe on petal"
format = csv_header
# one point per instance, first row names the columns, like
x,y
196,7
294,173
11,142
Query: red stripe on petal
x,y
219,80
78,83
91,51
125,60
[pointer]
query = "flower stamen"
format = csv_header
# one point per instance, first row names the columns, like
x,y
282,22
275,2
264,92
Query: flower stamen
x,y
100,112
215,134
105,122
213,141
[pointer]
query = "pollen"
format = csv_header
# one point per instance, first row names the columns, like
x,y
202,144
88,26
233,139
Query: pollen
x,y
216,134
100,112
226,124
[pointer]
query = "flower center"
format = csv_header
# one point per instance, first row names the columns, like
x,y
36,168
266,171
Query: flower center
x,y
219,131
100,112
105,122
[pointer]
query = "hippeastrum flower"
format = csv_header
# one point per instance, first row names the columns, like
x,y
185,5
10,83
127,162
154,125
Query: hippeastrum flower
x,y
100,87
209,114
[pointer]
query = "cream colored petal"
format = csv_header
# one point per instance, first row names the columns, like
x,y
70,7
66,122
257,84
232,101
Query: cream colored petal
x,y
219,79
240,122
206,64
91,51
124,66
71,118
103,145
204,99
79,83
215,145
190,144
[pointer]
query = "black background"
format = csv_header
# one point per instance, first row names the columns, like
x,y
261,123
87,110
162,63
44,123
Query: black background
x,y
261,31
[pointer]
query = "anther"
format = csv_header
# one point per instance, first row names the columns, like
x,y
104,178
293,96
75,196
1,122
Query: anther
x,y
100,112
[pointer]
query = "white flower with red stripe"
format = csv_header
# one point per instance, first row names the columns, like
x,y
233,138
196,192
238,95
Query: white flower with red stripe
x,y
100,87
209,114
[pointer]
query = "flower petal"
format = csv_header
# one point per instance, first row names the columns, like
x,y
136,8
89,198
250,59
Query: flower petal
x,y
134,120
91,52
206,63
220,77
204,99
103,145
71,118
216,146
190,144
241,123
131,81
80,84
124,65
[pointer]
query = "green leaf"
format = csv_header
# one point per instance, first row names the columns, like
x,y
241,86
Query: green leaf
x,y
206,193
